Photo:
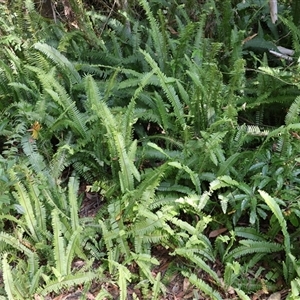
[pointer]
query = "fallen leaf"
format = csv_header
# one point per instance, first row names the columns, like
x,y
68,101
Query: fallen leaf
x,y
217,232
275,296
186,284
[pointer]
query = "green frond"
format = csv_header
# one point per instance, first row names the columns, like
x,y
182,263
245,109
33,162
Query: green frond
x,y
150,221
193,176
10,288
71,249
76,119
150,182
162,110
67,282
36,280
292,115
203,286
158,39
249,233
65,66
39,207
294,31
62,158
169,90
69,114
194,252
23,198
242,294
249,247
145,261
59,246
273,205
73,187
142,243
116,140
127,127
23,87
124,276
15,243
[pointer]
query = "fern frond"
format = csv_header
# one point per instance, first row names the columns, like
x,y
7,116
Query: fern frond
x,y
23,198
15,243
77,119
203,286
61,159
10,288
193,176
144,261
59,246
67,282
36,280
166,84
73,187
157,36
116,139
146,189
242,294
292,115
250,247
124,276
58,93
60,60
294,31
249,233
273,205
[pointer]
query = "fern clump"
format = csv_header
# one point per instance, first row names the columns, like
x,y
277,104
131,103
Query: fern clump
x,y
186,130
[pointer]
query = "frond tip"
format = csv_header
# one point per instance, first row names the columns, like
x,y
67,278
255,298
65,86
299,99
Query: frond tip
x,y
60,60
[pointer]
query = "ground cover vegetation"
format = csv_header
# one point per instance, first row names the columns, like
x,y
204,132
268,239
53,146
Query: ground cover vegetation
x,y
149,150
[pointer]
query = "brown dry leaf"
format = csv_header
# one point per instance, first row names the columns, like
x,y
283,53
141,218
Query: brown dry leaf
x,y
172,30
275,296
231,290
78,263
186,284
249,38
189,295
90,296
60,297
217,232
176,288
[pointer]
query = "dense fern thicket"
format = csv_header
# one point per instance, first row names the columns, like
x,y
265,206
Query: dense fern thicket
x,y
178,121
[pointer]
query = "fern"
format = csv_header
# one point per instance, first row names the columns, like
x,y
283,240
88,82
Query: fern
x,y
73,187
145,191
242,294
63,254
203,286
10,288
62,158
294,31
15,243
116,139
33,217
124,276
282,222
55,286
57,92
145,261
61,61
292,115
157,36
249,247
168,90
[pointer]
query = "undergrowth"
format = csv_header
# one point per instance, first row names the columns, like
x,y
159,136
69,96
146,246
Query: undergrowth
x,y
191,142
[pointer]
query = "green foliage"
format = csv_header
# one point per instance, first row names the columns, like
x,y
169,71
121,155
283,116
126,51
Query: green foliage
x,y
166,121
